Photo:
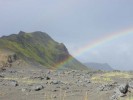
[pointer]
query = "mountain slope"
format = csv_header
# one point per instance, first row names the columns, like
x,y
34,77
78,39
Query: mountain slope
x,y
99,66
38,47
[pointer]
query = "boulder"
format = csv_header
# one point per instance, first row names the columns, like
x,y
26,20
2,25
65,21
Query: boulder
x,y
123,88
120,91
54,82
131,85
37,87
13,83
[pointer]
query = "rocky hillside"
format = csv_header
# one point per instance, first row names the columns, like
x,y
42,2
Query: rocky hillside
x,y
38,47
7,59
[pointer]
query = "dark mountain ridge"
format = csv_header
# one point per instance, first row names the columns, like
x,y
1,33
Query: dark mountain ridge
x,y
99,66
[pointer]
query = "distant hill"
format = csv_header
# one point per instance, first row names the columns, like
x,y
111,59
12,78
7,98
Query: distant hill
x,y
99,66
38,47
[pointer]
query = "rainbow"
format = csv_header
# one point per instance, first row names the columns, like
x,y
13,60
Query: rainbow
x,y
95,43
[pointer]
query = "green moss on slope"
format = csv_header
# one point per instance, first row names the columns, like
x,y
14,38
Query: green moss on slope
x,y
38,47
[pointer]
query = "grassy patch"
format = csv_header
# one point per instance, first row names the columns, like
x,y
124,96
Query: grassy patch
x,y
108,77
25,80
118,74
99,79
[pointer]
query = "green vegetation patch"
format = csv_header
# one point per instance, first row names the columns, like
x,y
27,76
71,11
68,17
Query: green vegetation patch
x,y
38,47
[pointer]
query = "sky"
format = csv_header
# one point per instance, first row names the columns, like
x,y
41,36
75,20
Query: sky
x,y
76,23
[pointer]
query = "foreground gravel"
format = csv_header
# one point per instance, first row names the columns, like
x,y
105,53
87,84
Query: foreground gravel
x,y
45,84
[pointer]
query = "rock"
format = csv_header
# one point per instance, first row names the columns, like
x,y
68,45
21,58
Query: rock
x,y
12,71
25,90
114,97
13,83
54,96
65,88
55,82
106,87
1,76
123,88
87,81
122,95
131,85
37,87
47,78
48,72
37,77
54,90
2,69
12,58
120,91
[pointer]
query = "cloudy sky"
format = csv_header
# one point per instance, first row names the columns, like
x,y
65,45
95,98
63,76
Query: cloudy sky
x,y
76,23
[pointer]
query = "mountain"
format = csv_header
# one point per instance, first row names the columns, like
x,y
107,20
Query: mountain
x,y
99,66
39,47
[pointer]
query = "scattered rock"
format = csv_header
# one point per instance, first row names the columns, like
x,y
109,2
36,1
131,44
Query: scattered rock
x,y
54,96
12,71
114,97
25,90
123,88
54,90
120,91
12,58
131,85
65,88
13,83
37,77
37,87
47,78
55,82
1,76
2,69
87,81
106,87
